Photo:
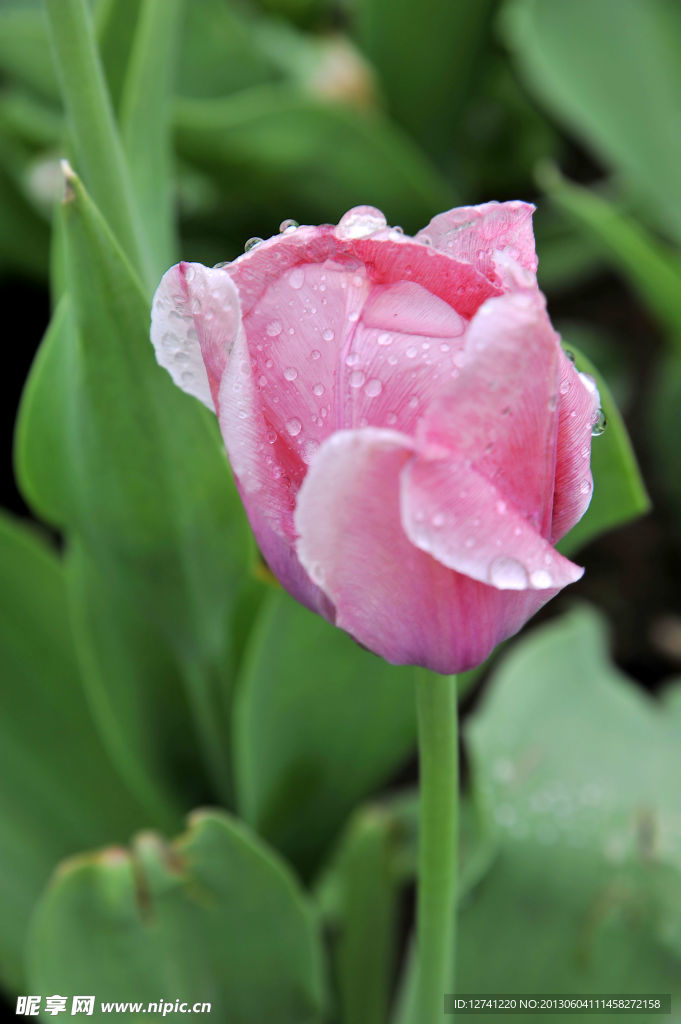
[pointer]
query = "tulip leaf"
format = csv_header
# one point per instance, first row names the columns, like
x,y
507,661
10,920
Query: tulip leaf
x,y
280,139
580,769
25,54
619,494
652,268
606,92
212,917
145,125
319,724
60,792
146,486
425,63
365,887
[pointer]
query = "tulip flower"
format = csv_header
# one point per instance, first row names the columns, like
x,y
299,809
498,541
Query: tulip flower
x,y
409,441
407,435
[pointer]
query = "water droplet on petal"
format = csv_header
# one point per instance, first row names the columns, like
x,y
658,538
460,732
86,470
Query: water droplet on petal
x,y
251,243
315,353
585,487
541,579
361,222
294,426
297,278
328,334
221,264
564,386
357,378
507,573
384,339
374,387
290,373
271,436
273,329
318,390
308,451
287,226
351,359
438,520
599,425
569,355
411,352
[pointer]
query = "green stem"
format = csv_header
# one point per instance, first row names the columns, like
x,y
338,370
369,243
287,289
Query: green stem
x,y
92,128
438,843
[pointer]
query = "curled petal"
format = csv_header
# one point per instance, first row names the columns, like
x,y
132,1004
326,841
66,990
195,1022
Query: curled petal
x,y
458,517
500,413
194,322
480,234
394,598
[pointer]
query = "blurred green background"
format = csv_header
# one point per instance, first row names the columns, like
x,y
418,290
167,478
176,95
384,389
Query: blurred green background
x,y
147,664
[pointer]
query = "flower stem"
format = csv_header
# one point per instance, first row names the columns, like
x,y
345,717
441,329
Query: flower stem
x,y
437,704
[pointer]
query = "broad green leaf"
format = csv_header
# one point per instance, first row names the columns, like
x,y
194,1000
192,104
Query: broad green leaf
x,y
581,769
145,484
652,268
135,686
59,790
319,724
619,494
41,444
425,61
145,115
376,857
278,141
610,71
212,917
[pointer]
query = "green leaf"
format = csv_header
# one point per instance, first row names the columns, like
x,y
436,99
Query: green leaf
x,y
25,54
145,115
619,494
140,477
212,917
580,768
365,888
277,140
652,268
93,133
425,63
60,792
610,71
220,51
135,686
319,724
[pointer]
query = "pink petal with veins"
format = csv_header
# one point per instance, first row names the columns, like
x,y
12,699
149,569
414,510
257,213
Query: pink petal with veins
x,y
394,598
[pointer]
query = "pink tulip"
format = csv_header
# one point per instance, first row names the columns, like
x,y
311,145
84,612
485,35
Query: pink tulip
x,y
407,435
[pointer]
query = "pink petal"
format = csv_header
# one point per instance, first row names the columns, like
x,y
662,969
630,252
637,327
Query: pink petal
x,y
391,596
574,482
478,234
500,414
194,321
450,511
